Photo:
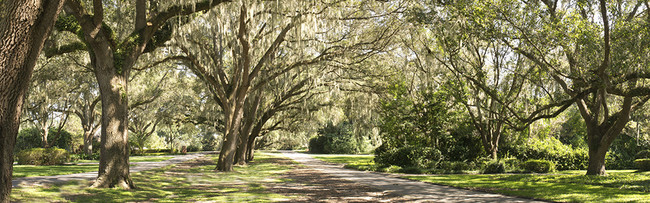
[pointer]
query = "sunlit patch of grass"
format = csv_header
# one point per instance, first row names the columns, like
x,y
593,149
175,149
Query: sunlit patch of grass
x,y
175,184
31,170
358,162
133,159
617,187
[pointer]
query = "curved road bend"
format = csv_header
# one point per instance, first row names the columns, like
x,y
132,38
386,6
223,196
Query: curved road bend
x,y
413,190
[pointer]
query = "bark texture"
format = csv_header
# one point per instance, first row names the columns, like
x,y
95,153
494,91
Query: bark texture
x,y
24,26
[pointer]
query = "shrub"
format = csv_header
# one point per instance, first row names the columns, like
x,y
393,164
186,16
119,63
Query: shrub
x,y
411,170
512,164
390,169
335,139
538,166
41,156
550,149
643,154
83,156
643,164
317,145
193,148
423,157
494,167
453,166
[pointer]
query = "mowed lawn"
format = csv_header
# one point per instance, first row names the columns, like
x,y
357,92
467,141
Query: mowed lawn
x,y
31,170
563,186
193,182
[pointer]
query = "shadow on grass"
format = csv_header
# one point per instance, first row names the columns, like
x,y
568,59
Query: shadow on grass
x,y
563,188
187,182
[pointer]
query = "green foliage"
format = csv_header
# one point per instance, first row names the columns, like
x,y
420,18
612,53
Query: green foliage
x,y
411,170
643,154
538,166
31,138
61,139
335,139
453,166
623,152
407,156
494,167
420,131
84,156
41,156
643,164
551,149
27,139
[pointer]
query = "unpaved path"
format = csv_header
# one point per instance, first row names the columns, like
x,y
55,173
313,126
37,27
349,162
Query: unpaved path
x,y
135,167
331,183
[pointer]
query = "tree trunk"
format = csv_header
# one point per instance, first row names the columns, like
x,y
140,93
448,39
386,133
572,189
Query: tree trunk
x,y
88,142
24,26
233,122
240,156
114,152
597,156
45,132
251,147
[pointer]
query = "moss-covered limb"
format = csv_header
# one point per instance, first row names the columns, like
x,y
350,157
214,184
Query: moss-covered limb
x,y
68,48
159,38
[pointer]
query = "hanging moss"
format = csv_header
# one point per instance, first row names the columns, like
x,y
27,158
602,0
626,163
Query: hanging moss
x,y
159,38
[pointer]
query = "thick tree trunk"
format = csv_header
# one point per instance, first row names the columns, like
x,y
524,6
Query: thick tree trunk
x,y
250,151
240,155
597,156
24,26
88,142
227,154
114,152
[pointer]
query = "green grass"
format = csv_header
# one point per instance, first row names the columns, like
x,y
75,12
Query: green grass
x,y
358,162
561,186
617,187
30,170
174,184
134,159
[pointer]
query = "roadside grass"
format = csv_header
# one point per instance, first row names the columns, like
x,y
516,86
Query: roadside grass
x,y
133,159
561,186
31,170
198,183
358,162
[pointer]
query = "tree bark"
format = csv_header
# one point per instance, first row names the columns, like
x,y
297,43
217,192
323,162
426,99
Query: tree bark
x,y
24,26
233,122
114,152
597,156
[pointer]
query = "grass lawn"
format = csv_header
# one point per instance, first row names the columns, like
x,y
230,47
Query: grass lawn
x,y
359,162
134,159
198,183
562,186
31,170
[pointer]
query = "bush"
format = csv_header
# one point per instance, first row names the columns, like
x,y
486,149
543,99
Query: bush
x,y
643,154
538,166
494,167
84,156
512,164
41,156
643,164
193,148
317,145
423,157
389,169
411,170
335,139
453,166
551,149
